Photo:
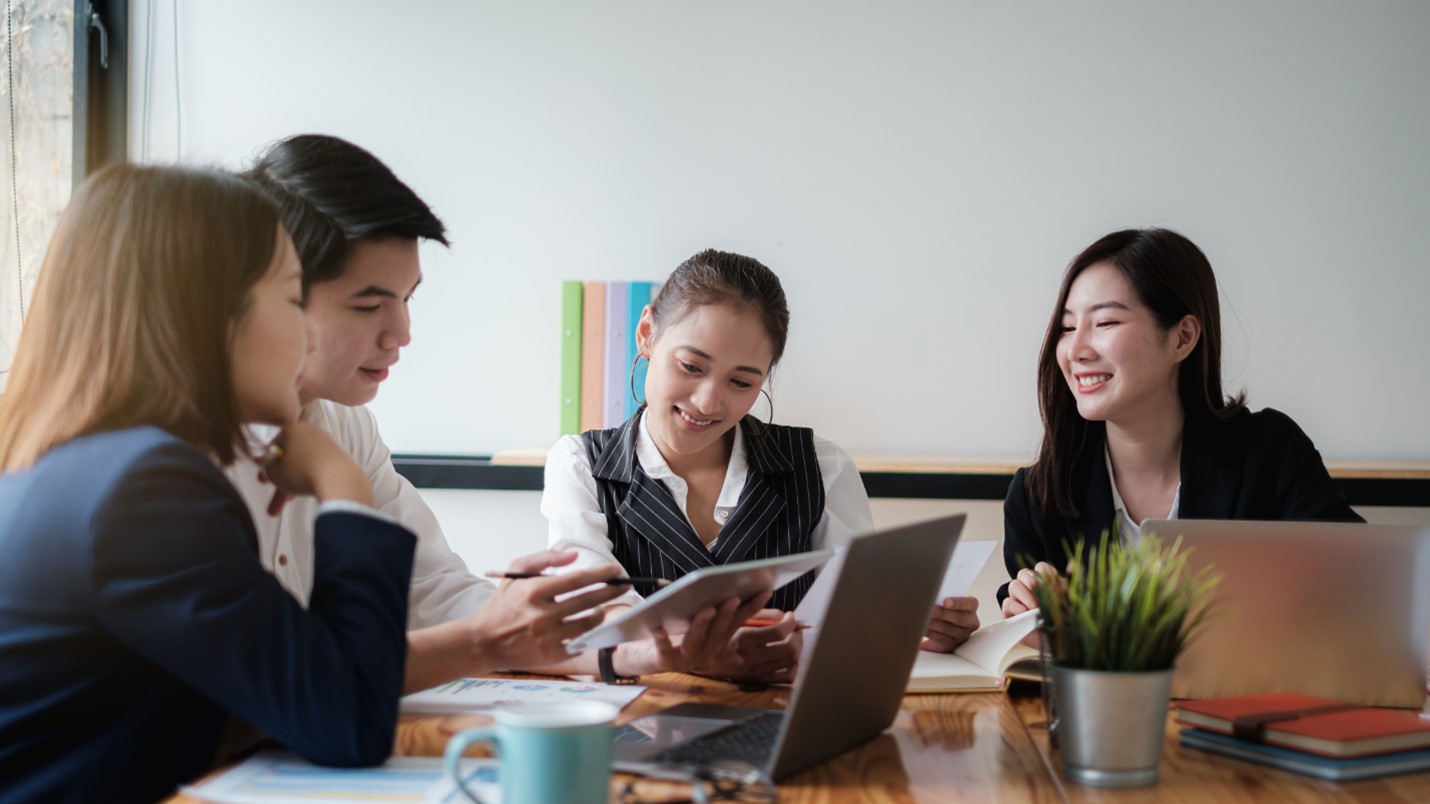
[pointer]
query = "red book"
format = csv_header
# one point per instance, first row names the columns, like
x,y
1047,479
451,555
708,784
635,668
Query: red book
x,y
1314,725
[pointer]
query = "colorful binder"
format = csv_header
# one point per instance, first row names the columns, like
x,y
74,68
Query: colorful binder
x,y
640,297
571,302
593,355
619,341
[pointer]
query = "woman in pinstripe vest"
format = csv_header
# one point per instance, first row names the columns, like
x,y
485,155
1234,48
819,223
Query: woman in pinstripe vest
x,y
692,480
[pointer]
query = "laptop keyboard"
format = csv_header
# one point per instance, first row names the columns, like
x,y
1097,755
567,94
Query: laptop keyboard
x,y
751,740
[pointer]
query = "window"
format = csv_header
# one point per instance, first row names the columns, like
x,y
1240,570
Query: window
x,y
62,76
37,168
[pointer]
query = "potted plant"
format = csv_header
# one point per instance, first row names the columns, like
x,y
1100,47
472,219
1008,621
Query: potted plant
x,y
1113,629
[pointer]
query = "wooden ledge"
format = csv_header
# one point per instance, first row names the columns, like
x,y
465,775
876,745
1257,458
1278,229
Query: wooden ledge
x,y
944,464
906,475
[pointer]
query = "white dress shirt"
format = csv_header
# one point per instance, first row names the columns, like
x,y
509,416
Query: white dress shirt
x,y
1129,532
572,507
442,588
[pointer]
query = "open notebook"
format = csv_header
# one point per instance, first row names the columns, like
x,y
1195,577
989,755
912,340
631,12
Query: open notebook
x,y
982,662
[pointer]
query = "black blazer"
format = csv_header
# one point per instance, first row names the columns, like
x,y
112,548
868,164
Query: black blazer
x,y
1254,466
135,617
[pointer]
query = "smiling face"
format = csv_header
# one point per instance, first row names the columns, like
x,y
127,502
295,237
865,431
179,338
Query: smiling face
x,y
270,342
706,370
1118,361
360,321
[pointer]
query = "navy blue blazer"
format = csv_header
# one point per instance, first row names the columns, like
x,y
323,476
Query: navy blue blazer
x,y
135,617
1254,466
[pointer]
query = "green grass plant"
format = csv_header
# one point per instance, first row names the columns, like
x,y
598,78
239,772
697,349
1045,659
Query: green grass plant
x,y
1125,609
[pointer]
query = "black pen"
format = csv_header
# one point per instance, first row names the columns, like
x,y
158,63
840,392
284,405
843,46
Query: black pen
x,y
612,582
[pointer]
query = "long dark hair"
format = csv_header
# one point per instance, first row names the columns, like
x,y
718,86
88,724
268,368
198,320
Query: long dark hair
x,y
1174,279
143,281
334,194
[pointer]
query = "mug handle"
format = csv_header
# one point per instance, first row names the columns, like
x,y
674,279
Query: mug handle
x,y
458,745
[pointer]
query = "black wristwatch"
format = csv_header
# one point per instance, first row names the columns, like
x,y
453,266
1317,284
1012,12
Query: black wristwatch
x,y
604,661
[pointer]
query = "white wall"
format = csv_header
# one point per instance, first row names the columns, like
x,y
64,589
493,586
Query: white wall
x,y
918,173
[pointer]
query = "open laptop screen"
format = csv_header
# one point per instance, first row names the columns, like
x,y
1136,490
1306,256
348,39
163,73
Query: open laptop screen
x,y
1337,610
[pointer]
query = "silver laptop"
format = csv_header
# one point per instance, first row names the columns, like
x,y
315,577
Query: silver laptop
x,y
851,678
1337,610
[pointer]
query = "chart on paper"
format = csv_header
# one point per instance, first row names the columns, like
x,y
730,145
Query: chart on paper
x,y
277,777
480,694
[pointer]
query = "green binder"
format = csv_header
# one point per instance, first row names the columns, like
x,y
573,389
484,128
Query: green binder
x,y
571,301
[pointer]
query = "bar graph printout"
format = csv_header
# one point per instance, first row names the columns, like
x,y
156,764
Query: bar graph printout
x,y
278,777
481,694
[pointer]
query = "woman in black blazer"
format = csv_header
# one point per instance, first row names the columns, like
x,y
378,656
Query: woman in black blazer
x,y
1136,425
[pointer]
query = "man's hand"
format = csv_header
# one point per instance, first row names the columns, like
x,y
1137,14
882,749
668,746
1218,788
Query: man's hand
x,y
524,625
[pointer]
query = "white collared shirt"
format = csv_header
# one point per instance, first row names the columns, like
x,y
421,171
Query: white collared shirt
x,y
442,587
571,502
1129,532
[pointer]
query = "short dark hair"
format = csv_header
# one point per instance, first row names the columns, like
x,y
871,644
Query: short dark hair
x,y
1174,279
332,195
721,277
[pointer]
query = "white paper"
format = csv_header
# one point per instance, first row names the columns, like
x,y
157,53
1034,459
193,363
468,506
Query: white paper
x,y
810,610
481,694
963,567
989,644
981,655
949,665
968,560
278,777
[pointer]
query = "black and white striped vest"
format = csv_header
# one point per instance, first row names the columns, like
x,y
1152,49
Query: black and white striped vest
x,y
781,504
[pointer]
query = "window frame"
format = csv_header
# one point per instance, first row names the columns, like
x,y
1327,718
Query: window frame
x,y
101,93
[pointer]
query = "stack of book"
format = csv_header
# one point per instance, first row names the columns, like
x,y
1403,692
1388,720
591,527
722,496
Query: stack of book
x,y
598,349
1314,736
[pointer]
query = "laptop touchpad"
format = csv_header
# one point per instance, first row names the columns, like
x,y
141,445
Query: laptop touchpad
x,y
655,732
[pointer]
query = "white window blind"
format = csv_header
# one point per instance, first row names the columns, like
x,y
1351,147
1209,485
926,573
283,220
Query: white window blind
x,y
37,84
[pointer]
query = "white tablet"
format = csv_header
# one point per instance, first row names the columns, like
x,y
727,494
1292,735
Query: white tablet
x,y
674,605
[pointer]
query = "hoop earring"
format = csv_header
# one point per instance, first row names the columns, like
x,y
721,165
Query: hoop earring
x,y
640,403
770,400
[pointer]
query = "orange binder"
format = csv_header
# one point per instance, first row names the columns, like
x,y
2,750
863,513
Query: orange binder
x,y
593,355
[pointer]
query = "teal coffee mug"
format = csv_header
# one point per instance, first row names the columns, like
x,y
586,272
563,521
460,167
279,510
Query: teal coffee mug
x,y
557,753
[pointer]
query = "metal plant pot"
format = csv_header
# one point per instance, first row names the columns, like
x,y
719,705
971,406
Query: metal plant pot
x,y
1110,725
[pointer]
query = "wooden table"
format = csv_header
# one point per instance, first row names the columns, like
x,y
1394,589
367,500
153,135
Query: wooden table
x,y
979,747
1189,775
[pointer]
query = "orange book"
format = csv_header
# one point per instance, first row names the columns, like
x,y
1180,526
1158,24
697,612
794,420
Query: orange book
x,y
1304,723
593,356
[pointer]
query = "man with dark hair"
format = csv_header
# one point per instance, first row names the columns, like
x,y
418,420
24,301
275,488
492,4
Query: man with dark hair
x,y
335,198
356,227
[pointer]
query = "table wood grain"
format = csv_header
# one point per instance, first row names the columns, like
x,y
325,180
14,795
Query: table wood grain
x,y
980,747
